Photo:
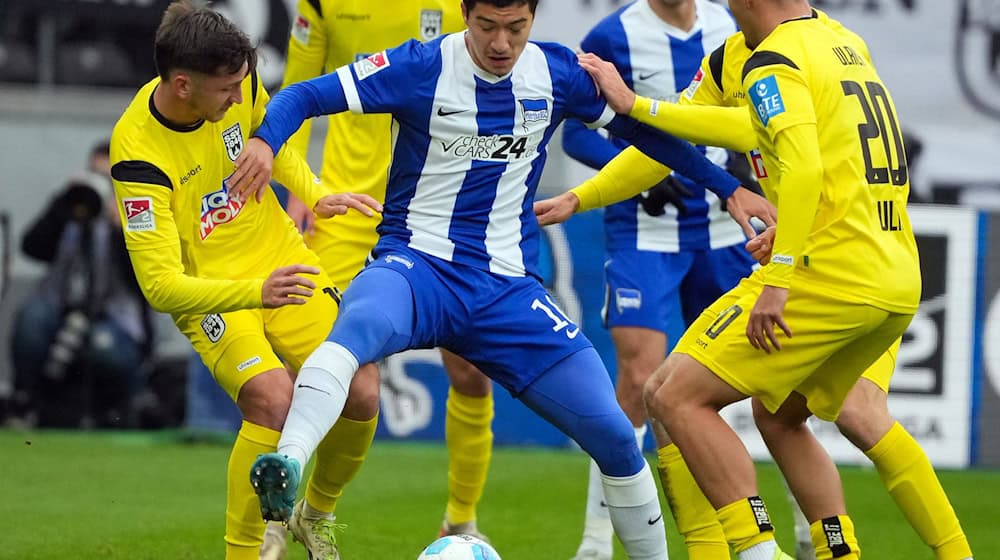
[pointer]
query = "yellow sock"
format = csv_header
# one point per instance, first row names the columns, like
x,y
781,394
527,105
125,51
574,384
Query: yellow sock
x,y
746,523
470,444
338,459
244,525
833,537
694,515
910,479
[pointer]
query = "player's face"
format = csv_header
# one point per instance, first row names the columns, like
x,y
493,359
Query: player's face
x,y
213,95
497,36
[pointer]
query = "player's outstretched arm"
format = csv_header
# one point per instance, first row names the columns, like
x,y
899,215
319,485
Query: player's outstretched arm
x,y
726,127
338,204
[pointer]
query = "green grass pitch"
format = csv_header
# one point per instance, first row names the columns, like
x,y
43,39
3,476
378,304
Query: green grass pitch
x,y
153,496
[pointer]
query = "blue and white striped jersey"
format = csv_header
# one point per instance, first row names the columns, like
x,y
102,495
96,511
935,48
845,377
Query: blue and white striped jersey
x,y
658,60
468,146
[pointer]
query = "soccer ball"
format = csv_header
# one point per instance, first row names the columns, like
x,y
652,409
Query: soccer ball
x,y
459,547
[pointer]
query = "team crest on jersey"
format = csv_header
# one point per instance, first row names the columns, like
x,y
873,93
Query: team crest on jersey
x,y
766,99
301,30
232,137
534,110
139,214
694,85
430,24
218,208
214,327
371,64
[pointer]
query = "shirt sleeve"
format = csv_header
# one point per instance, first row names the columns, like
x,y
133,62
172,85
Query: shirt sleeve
x,y
783,106
587,145
625,176
307,50
290,166
677,154
143,192
725,127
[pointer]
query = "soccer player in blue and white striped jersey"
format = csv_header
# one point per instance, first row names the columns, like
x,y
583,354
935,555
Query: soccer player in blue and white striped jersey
x,y
659,255
456,262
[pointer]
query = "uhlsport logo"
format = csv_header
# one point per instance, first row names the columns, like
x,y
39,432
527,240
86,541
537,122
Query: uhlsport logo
x,y
232,137
139,213
218,208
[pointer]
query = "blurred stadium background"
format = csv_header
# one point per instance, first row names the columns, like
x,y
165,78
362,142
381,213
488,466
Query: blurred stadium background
x,y
67,68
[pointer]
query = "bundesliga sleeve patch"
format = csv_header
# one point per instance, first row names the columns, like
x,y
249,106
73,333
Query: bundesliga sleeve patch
x,y
139,214
301,29
371,64
694,85
766,99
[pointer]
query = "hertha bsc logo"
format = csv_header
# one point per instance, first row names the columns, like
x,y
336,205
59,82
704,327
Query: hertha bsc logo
x,y
430,24
232,137
977,55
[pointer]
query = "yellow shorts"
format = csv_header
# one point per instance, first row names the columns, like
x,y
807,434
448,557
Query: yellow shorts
x,y
880,373
833,342
238,345
343,244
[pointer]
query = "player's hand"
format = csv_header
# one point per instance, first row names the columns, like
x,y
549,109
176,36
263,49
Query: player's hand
x,y
338,204
767,313
668,191
304,219
609,82
285,287
557,209
760,246
744,204
253,170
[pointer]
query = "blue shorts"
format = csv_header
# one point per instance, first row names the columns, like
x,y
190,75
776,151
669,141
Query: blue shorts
x,y
509,327
642,288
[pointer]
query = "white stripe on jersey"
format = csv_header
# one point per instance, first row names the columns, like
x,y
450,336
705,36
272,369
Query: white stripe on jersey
x,y
429,213
350,90
653,75
531,81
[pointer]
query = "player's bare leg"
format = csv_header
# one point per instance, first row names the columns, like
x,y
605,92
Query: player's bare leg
x,y
904,468
686,397
469,437
809,472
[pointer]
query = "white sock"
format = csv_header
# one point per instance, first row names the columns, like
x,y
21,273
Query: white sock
x,y
760,551
635,512
640,435
317,401
597,529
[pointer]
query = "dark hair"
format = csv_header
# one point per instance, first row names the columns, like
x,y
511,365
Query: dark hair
x,y
102,148
200,40
532,4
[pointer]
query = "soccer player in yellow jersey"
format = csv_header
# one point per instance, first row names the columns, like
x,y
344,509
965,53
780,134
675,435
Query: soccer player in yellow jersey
x,y
846,237
865,419
327,34
234,273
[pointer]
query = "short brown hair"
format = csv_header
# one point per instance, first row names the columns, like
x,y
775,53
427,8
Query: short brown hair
x,y
200,40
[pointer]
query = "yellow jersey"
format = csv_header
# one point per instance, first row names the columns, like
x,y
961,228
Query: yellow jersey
x,y
328,34
195,248
830,143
